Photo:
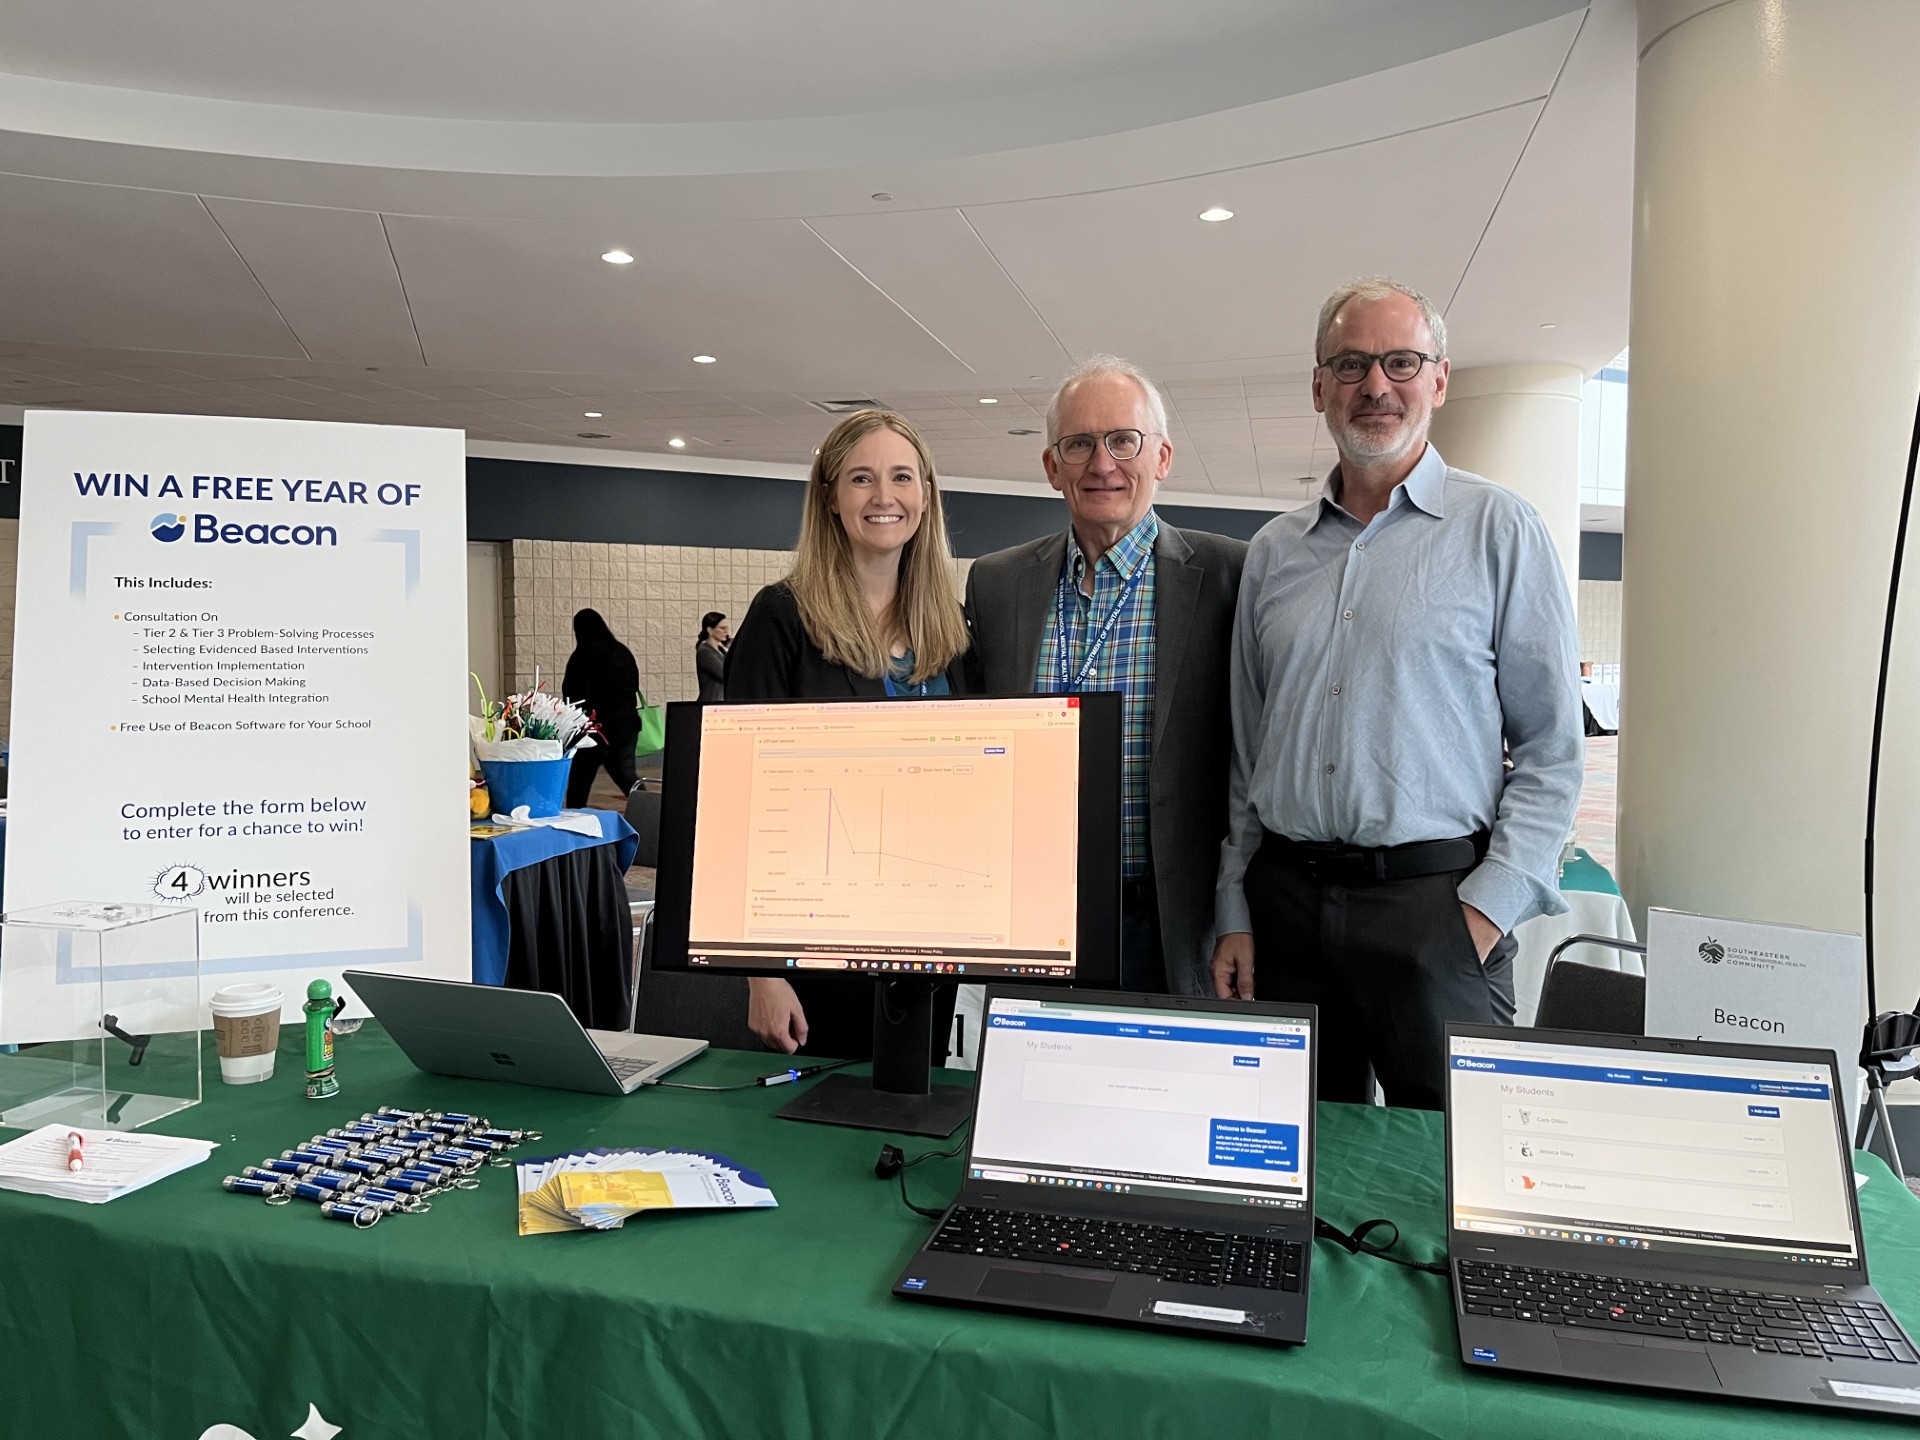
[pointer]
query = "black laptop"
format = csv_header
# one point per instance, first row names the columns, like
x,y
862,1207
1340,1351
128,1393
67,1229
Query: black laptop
x,y
1139,1158
1676,1214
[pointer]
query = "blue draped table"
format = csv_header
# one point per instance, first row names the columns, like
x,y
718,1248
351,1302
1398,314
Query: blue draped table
x,y
553,881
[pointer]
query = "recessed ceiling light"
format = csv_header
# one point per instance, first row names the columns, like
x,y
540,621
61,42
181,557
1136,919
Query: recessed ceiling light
x,y
1023,432
1549,325
617,257
591,414
1214,214
677,443
706,359
988,400
595,435
883,195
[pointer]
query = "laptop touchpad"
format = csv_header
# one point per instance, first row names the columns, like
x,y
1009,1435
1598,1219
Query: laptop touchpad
x,y
1034,1287
1605,1357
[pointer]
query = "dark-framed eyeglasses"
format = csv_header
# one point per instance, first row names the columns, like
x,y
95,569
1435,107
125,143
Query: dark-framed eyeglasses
x,y
1121,445
1350,367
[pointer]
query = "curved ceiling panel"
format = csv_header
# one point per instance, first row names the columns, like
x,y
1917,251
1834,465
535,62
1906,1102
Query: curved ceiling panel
x,y
595,88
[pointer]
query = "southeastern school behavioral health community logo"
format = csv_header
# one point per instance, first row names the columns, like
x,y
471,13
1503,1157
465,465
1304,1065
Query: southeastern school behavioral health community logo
x,y
1712,951
169,527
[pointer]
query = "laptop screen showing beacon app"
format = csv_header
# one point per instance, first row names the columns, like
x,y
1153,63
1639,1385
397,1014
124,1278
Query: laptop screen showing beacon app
x,y
1196,1106
1680,1154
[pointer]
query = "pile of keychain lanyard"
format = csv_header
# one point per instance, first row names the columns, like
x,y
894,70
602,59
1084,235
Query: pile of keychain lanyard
x,y
389,1161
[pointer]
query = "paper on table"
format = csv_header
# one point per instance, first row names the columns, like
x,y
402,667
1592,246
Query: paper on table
x,y
114,1162
579,822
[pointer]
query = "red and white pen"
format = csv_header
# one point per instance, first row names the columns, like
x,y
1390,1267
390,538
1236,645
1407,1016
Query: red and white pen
x,y
76,1159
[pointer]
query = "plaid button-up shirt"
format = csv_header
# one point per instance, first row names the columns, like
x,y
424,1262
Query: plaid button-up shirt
x,y
1125,664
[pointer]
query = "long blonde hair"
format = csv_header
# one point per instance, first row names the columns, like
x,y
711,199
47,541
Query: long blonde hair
x,y
925,612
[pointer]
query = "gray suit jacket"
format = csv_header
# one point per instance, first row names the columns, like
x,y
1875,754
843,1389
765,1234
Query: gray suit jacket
x,y
1010,598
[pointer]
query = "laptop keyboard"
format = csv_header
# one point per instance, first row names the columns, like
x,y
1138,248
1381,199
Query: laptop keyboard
x,y
1188,1257
1770,1324
625,1067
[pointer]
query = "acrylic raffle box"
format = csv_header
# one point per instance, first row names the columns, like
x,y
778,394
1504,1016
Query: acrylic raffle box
x,y
102,1001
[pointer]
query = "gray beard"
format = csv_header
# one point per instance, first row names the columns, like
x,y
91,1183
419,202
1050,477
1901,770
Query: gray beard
x,y
1357,447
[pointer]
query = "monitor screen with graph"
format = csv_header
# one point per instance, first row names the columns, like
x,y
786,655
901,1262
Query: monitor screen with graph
x,y
963,838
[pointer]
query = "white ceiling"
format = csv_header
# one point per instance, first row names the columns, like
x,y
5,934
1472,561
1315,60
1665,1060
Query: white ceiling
x,y
208,212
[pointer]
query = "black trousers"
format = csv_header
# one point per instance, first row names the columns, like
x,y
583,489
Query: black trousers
x,y
1143,967
1387,963
615,754
839,1012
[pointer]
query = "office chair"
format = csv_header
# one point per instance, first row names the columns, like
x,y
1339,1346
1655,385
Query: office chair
x,y
1585,997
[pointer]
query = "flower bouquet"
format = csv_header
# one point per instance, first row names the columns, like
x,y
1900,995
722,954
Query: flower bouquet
x,y
525,745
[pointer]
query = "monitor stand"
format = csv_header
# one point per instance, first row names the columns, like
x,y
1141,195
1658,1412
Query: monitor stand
x,y
899,1097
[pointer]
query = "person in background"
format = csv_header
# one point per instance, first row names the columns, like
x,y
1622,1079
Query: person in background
x,y
868,609
602,676
1398,640
710,656
1121,600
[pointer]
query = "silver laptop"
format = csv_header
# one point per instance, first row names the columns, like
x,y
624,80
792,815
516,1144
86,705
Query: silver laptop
x,y
1140,1158
528,1037
1677,1214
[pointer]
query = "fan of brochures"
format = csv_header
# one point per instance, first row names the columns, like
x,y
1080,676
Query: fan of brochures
x,y
599,1189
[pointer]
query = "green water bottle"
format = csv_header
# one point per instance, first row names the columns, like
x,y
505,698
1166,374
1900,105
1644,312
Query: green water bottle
x,y
320,1009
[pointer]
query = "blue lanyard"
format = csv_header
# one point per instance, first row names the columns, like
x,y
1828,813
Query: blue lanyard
x,y
1071,682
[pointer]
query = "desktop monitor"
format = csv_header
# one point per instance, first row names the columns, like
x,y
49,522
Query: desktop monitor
x,y
924,843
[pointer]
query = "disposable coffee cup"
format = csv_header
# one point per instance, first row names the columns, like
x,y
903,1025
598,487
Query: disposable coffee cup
x,y
246,1031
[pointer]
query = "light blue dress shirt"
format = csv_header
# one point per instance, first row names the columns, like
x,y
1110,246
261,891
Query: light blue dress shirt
x,y
1377,671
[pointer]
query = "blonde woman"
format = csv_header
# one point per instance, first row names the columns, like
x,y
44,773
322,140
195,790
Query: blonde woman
x,y
868,609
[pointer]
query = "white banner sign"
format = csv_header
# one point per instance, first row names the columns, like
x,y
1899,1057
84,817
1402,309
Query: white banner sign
x,y
240,684
1757,984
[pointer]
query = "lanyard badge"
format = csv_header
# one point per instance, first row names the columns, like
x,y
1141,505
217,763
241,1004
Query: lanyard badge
x,y
1071,681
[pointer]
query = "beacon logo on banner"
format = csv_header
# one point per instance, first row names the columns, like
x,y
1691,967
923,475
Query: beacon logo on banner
x,y
169,528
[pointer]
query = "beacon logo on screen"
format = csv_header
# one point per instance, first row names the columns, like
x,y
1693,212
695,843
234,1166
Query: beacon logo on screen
x,y
169,528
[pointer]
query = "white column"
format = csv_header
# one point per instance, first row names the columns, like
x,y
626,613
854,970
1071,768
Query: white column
x,y
1776,358
1519,425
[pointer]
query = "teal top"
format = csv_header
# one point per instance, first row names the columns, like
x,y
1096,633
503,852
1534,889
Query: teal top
x,y
897,683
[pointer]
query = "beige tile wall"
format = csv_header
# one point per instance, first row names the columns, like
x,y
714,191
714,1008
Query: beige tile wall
x,y
651,595
1600,621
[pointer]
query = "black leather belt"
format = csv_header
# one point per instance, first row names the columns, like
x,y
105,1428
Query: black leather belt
x,y
1331,862
1137,894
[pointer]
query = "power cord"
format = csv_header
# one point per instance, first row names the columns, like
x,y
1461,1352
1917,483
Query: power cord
x,y
1357,1244
893,1163
779,1077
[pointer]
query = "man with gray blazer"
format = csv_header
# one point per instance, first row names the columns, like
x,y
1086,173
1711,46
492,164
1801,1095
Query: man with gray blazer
x,y
1124,601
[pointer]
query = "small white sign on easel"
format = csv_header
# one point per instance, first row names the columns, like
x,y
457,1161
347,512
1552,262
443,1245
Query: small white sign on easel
x,y
1755,984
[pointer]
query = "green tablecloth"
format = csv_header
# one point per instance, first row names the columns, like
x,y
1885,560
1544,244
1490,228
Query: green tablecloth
x,y
1583,872
181,1306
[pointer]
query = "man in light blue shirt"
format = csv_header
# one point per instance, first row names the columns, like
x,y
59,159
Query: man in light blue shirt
x,y
1407,729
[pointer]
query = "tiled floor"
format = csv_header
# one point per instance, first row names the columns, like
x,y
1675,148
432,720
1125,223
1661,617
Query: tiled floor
x,y
1593,826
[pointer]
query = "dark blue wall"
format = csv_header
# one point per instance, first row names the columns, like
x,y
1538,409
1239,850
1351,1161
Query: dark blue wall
x,y
522,499
10,472
529,500
533,500
1599,555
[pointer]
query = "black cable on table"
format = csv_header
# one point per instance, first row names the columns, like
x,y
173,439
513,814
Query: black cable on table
x,y
780,1077
893,1161
1357,1244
